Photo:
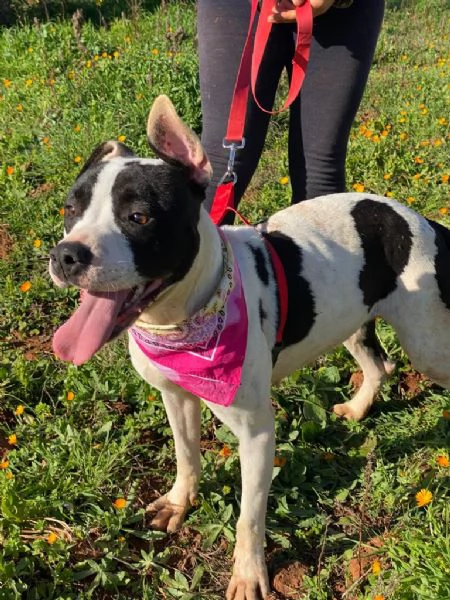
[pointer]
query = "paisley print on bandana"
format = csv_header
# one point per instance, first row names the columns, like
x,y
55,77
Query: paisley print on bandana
x,y
204,354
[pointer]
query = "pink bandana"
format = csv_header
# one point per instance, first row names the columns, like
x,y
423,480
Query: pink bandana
x,y
204,354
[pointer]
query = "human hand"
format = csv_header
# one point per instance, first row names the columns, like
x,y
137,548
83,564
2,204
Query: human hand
x,y
284,10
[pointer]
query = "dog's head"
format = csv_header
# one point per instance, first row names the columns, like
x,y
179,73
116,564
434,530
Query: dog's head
x,y
130,230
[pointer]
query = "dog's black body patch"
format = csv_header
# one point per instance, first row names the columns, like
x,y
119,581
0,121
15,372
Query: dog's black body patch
x,y
370,340
442,261
301,309
386,240
262,313
260,264
166,246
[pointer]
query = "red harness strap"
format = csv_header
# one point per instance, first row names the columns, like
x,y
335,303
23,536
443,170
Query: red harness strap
x,y
246,78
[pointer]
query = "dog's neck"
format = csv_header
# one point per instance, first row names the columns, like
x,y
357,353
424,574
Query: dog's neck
x,y
183,299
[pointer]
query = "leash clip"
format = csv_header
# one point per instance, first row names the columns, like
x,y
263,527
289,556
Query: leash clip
x,y
230,174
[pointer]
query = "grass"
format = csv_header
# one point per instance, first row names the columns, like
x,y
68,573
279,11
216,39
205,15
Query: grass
x,y
74,441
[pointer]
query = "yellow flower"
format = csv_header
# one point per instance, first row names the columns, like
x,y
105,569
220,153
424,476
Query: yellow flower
x,y
25,287
70,396
77,159
61,211
29,82
225,451
155,51
418,160
9,475
30,50
12,439
378,597
424,497
4,464
19,410
139,96
387,176
77,128
410,199
104,55
120,503
45,140
443,210
116,54
358,187
424,111
121,539
88,64
122,138
9,171
19,107
384,133
442,121
71,74
443,461
417,176
403,136
6,83
52,538
437,143
389,194
284,180
362,129
37,243
376,567
279,461
444,178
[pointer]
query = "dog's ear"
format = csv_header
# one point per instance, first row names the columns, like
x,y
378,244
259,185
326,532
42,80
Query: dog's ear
x,y
106,151
175,142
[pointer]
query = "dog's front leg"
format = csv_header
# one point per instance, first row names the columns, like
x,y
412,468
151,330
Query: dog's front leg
x,y
254,427
183,412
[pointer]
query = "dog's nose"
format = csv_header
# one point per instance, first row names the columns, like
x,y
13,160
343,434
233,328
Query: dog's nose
x,y
70,258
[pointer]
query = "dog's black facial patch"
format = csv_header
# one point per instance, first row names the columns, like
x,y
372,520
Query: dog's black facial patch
x,y
442,261
386,241
166,244
260,264
301,308
80,196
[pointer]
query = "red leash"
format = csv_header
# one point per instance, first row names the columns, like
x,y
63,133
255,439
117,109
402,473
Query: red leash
x,y
252,56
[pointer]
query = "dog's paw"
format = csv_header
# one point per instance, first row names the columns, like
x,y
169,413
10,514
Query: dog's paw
x,y
243,588
349,412
169,516
249,581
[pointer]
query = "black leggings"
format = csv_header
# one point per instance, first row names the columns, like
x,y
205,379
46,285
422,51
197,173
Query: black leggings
x,y
342,50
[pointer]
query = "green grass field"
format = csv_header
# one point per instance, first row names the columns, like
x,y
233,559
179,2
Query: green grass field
x,y
84,450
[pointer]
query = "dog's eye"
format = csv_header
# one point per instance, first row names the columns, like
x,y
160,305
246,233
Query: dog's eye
x,y
139,218
69,210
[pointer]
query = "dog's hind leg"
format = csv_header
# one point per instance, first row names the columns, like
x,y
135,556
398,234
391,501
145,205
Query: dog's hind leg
x,y
367,351
183,412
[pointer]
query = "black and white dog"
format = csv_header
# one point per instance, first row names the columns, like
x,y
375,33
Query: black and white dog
x,y
145,252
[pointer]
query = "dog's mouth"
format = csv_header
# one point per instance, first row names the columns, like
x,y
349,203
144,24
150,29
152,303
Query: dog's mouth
x,y
100,318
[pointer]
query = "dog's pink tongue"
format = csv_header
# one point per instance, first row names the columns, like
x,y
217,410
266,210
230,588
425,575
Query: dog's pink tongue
x,y
90,327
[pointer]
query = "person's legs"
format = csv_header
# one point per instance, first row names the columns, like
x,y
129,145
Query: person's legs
x,y
222,27
344,42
